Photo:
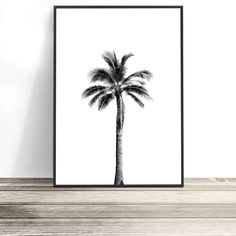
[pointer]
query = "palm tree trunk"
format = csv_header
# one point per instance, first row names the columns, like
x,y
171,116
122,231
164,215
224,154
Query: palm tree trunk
x,y
119,129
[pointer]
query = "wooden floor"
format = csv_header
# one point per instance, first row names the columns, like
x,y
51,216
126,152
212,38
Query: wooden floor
x,y
203,207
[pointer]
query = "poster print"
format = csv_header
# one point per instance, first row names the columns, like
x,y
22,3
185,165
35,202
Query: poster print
x,y
118,96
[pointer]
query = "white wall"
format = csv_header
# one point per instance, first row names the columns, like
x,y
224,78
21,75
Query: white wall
x,y
26,47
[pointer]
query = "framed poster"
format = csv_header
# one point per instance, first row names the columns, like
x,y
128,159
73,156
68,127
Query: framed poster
x,y
118,96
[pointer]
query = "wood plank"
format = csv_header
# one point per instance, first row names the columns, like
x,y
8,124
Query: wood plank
x,y
23,181
157,227
205,207
120,211
47,184
117,197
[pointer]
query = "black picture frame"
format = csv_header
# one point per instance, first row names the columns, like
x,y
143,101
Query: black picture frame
x,y
181,102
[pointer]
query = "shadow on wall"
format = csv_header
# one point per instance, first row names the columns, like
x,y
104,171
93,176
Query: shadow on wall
x,y
35,152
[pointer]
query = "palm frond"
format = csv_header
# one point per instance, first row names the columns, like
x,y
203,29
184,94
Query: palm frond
x,y
116,60
134,82
101,75
105,100
125,58
136,99
140,90
143,74
111,59
122,68
92,90
96,97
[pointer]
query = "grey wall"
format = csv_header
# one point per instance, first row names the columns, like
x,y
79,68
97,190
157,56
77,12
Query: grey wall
x,y
26,86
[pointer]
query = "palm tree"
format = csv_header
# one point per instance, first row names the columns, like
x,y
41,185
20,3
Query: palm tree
x,y
115,85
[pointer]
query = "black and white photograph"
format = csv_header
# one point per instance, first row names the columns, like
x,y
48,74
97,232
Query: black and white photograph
x,y
118,96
